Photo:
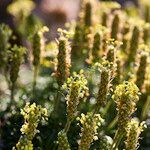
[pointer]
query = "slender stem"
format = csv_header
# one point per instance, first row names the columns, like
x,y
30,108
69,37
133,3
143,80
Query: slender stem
x,y
106,108
35,79
12,93
145,108
116,141
56,102
67,126
113,123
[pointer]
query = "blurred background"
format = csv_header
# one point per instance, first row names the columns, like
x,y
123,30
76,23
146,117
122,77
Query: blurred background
x,y
52,13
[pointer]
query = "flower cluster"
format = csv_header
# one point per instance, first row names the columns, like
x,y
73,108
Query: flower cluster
x,y
87,15
140,77
134,42
63,141
90,123
77,89
23,144
76,49
103,87
15,57
96,47
5,34
32,116
115,27
63,64
134,130
38,45
126,97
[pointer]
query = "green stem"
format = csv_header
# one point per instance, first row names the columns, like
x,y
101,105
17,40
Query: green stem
x,y
106,108
145,108
56,102
116,141
113,123
12,93
35,79
67,126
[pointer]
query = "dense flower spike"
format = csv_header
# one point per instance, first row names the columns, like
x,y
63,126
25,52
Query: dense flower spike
x,y
125,37
76,49
104,19
90,124
63,141
15,57
23,144
146,33
63,65
140,75
115,27
32,116
87,14
77,89
38,45
5,33
126,97
96,47
103,87
133,45
118,76
147,13
134,130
